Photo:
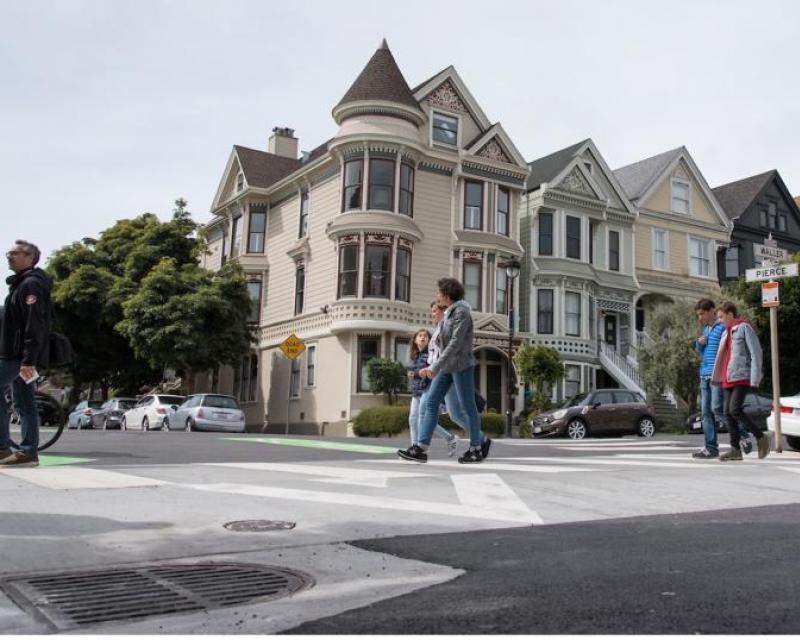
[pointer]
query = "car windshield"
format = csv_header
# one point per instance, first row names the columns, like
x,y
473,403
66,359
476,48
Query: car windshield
x,y
95,404
126,404
220,402
575,401
171,399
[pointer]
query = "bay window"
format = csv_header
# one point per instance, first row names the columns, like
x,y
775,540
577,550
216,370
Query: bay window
x,y
381,184
348,271
353,178
402,285
572,313
546,234
573,237
544,311
473,275
473,205
377,261
502,216
258,225
406,189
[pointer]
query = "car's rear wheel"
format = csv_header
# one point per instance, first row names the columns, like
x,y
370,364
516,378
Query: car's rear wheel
x,y
793,442
646,427
145,424
576,429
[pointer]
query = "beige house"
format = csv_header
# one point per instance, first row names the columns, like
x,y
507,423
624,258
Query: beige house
x,y
679,230
342,246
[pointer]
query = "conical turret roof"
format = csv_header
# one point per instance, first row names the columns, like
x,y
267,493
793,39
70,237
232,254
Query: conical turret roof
x,y
380,80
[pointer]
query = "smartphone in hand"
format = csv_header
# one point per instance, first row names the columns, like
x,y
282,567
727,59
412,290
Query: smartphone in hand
x,y
33,377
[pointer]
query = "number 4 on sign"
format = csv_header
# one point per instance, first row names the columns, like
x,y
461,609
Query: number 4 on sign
x,y
769,294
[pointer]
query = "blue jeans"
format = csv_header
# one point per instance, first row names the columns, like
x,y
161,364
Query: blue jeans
x,y
414,413
26,403
711,409
464,384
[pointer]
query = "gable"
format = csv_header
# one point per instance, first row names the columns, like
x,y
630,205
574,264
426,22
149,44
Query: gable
x,y
491,326
774,192
601,179
227,184
493,150
577,181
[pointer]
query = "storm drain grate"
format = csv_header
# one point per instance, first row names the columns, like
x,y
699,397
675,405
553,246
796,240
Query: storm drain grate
x,y
75,599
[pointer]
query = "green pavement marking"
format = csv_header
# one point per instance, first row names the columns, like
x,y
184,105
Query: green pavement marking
x,y
54,461
319,444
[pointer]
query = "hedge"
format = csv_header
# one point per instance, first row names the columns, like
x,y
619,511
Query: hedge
x,y
389,421
378,421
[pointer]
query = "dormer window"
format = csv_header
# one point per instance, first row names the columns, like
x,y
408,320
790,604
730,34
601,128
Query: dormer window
x,y
680,196
445,129
239,182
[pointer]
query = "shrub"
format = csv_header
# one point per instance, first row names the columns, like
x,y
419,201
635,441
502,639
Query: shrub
x,y
377,421
493,423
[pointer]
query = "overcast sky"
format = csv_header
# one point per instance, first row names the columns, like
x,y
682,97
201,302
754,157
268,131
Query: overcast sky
x,y
112,108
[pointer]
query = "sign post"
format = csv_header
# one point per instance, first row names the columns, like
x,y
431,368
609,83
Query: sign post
x,y
292,347
770,298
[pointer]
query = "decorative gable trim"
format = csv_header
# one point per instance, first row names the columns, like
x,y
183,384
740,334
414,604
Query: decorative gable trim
x,y
493,151
495,144
232,165
457,88
575,182
491,326
446,97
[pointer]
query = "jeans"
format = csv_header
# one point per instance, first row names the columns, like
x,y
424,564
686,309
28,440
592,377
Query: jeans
x,y
711,409
735,415
464,384
26,403
413,422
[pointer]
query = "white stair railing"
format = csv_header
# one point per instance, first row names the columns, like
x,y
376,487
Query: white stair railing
x,y
622,368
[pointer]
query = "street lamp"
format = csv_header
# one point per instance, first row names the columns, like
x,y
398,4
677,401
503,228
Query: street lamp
x,y
512,267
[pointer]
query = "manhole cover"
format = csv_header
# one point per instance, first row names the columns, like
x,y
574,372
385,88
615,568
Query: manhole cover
x,y
76,599
259,525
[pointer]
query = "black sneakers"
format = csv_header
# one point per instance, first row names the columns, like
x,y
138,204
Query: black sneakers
x,y
472,456
747,445
705,454
414,453
485,448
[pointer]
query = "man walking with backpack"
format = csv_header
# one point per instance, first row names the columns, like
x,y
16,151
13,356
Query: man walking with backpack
x,y
24,346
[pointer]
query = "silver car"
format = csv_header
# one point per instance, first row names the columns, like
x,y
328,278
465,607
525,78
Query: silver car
x,y
207,412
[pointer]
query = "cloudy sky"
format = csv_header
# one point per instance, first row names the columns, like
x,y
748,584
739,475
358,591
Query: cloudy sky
x,y
112,108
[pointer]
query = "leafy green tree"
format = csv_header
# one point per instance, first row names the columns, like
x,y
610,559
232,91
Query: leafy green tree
x,y
539,366
187,318
748,297
387,376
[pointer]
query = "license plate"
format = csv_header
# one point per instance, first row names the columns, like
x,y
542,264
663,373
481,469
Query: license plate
x,y
537,429
797,412
223,416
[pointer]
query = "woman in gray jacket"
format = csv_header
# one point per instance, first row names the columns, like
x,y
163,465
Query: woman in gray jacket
x,y
454,367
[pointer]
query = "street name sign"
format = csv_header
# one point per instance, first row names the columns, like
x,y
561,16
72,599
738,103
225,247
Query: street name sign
x,y
292,347
764,252
770,273
769,294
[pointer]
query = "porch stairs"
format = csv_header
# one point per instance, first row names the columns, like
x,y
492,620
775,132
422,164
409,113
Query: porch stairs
x,y
625,371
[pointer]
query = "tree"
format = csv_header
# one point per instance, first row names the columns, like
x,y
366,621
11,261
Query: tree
x,y
95,279
749,293
187,318
387,376
539,366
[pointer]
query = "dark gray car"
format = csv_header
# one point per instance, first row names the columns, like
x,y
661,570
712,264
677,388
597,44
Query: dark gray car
x,y
109,415
607,411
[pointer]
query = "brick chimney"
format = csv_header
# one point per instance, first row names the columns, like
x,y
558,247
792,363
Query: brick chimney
x,y
283,143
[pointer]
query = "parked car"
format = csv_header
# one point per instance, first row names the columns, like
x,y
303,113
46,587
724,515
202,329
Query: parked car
x,y
790,421
208,412
81,416
109,416
600,411
149,411
757,405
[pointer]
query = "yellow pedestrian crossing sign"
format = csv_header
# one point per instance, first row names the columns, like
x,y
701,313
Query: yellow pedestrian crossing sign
x,y
292,347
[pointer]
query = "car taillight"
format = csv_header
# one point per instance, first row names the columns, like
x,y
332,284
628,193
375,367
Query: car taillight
x,y
87,412
787,409
161,412
200,413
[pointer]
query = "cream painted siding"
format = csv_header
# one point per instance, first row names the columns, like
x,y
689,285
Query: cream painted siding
x,y
322,266
430,259
282,226
701,209
213,259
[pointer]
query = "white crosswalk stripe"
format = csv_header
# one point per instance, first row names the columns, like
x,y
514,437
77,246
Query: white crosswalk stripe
x,y
79,478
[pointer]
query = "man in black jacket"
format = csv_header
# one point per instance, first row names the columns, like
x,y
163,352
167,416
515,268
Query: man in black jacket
x,y
24,346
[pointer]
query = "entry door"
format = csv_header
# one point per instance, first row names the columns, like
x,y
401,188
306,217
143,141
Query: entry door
x,y
611,330
494,387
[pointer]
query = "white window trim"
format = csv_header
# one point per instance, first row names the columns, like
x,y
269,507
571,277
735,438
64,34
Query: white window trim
x,y
309,347
447,114
688,185
712,266
621,235
653,232
580,314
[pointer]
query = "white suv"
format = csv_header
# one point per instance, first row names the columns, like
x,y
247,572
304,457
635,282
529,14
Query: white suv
x,y
790,421
149,412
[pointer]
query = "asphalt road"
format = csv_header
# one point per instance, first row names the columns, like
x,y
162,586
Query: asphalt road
x,y
604,536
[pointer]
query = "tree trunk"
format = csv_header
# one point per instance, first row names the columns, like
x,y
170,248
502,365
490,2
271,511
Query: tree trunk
x,y
104,388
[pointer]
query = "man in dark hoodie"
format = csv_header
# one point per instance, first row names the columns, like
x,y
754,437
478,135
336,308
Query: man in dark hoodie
x,y
24,346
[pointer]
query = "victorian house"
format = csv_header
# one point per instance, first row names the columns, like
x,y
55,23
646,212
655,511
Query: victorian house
x,y
760,207
577,229
679,231
343,246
